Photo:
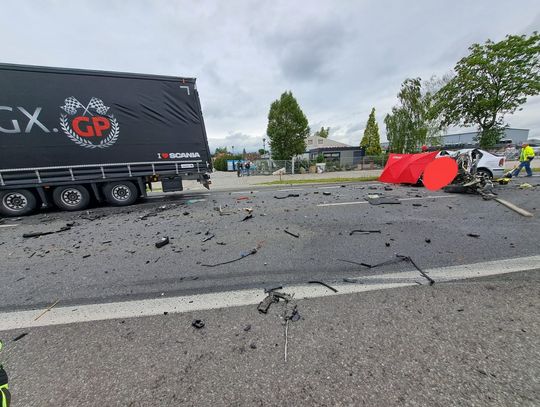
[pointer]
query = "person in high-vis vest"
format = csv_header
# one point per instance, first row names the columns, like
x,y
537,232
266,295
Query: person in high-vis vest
x,y
525,157
5,396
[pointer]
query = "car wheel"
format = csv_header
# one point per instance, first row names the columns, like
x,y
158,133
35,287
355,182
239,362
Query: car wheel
x,y
17,202
120,193
71,197
484,171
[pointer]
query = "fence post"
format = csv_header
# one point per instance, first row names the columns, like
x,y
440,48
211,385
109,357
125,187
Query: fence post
x,y
292,166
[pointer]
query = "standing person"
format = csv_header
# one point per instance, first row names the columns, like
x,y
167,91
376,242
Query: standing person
x,y
248,166
525,157
239,168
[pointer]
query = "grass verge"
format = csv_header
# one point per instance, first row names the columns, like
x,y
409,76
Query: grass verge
x,y
320,180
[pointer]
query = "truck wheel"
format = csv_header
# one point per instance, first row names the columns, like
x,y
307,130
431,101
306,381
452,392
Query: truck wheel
x,y
71,197
17,202
120,193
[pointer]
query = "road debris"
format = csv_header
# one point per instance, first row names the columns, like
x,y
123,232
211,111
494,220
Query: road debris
x,y
407,258
287,196
515,208
247,217
473,235
209,236
243,198
291,233
384,201
416,204
185,213
269,290
324,284
242,256
327,193
363,232
163,242
37,234
19,337
197,323
192,201
50,307
427,240
525,185
388,188
247,328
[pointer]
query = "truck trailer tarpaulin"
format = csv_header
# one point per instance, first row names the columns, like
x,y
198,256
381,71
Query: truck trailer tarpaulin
x,y
87,128
56,117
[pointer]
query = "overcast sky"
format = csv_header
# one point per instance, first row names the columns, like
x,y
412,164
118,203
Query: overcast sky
x,y
339,58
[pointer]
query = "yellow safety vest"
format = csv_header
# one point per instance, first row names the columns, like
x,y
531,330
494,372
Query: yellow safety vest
x,y
526,152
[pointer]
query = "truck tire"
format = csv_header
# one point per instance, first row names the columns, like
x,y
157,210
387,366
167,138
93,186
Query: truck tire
x,y
120,193
71,197
17,202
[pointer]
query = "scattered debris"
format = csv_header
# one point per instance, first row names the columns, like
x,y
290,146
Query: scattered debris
x,y
242,255
269,290
264,305
525,185
352,280
242,198
252,345
163,242
165,313
384,201
209,236
324,284
291,233
192,201
427,240
387,244
37,234
407,258
288,196
327,193
250,216
197,323
388,188
473,235
85,256
416,204
363,232
185,213
106,241
247,328
19,337
50,307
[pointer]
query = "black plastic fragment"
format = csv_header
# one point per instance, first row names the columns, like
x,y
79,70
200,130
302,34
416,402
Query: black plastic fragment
x,y
287,196
291,233
197,323
163,242
363,232
473,235
18,338
324,284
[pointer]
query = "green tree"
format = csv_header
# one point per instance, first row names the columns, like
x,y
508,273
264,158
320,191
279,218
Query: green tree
x,y
287,128
414,121
221,150
323,132
371,141
494,80
261,151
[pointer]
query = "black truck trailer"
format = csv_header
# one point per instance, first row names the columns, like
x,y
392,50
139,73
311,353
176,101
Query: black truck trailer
x,y
70,136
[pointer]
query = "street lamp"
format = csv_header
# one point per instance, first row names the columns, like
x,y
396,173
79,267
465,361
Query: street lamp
x,y
264,145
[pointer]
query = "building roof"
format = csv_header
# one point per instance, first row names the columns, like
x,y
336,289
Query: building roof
x,y
313,142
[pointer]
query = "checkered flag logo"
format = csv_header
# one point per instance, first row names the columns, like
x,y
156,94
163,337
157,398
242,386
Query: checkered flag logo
x,y
98,106
71,105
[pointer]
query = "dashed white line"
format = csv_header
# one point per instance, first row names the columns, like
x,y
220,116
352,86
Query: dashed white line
x,y
291,189
130,309
333,187
7,226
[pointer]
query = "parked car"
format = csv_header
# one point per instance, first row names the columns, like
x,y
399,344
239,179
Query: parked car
x,y
490,164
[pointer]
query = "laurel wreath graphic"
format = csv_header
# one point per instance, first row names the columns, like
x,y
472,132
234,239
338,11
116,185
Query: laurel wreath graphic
x,y
106,142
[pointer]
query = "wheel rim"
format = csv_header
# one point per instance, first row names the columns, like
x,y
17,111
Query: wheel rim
x,y
15,201
71,196
121,193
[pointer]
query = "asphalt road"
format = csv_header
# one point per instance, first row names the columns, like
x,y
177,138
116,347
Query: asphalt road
x,y
471,342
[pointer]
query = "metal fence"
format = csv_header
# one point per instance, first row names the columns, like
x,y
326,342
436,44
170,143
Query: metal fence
x,y
302,166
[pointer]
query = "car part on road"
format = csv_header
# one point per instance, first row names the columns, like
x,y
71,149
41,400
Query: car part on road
x,y
37,234
383,201
324,284
71,197
515,208
163,242
287,196
363,232
17,202
264,305
407,258
242,255
197,323
291,233
50,307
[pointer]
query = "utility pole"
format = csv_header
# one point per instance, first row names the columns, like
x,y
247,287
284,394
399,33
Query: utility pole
x,y
264,145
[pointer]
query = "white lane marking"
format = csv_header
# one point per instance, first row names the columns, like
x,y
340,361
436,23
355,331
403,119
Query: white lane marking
x,y
240,192
333,187
291,189
130,309
399,199
7,226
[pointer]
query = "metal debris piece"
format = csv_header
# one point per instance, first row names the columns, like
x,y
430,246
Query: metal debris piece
x,y
407,258
209,236
363,232
473,235
384,201
37,234
197,323
242,255
327,193
291,233
324,284
163,242
250,216
287,196
19,337
50,307
264,305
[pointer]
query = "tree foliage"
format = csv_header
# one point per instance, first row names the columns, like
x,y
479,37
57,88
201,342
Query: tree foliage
x,y
494,80
287,128
415,122
323,132
221,150
371,141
